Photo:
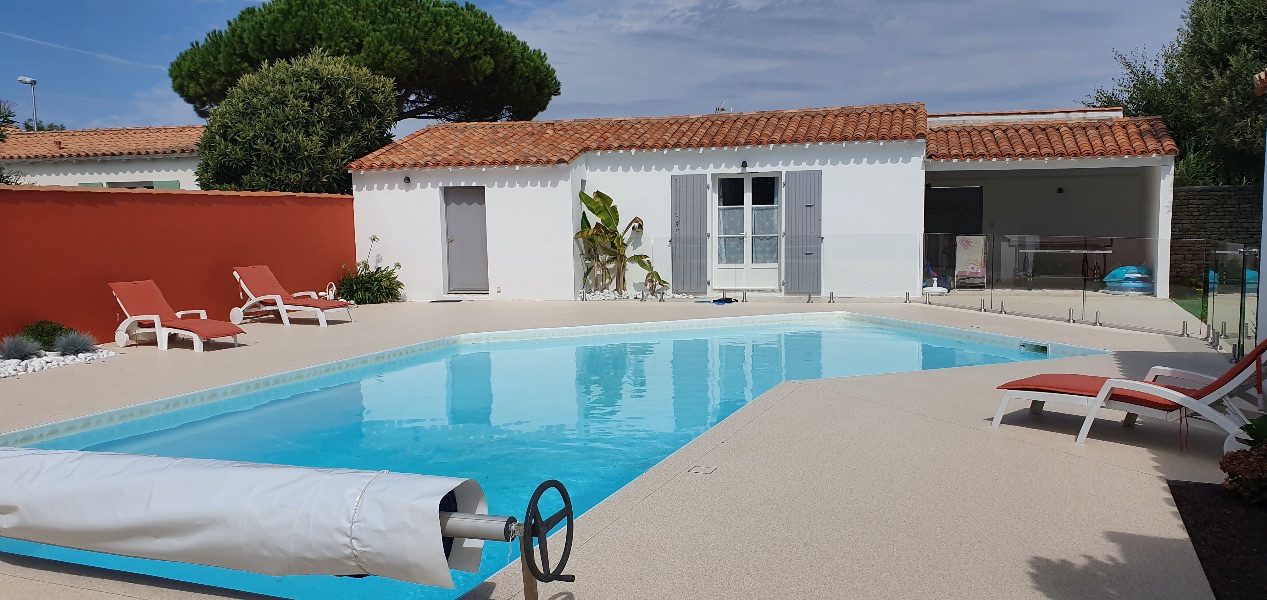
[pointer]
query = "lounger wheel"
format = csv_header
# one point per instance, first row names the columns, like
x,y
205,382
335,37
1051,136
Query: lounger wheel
x,y
236,316
537,527
125,335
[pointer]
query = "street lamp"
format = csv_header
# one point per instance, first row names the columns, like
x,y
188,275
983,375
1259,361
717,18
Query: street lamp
x,y
35,118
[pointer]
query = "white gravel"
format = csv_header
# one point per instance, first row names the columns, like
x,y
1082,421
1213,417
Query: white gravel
x,y
610,295
48,360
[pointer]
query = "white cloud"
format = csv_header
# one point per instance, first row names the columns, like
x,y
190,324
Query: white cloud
x,y
158,105
647,57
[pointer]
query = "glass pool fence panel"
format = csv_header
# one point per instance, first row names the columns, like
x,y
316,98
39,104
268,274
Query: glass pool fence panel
x,y
1122,288
1232,295
1189,269
955,270
1105,280
1047,276
1223,291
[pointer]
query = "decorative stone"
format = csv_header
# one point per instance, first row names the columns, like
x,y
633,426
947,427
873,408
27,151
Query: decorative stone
x,y
13,367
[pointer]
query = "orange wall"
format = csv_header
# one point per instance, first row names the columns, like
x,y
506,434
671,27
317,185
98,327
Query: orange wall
x,y
60,246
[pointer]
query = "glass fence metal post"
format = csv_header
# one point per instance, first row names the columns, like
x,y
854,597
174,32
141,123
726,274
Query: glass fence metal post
x,y
1244,323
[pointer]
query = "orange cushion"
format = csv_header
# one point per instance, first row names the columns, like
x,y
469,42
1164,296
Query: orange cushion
x,y
316,303
204,328
1090,385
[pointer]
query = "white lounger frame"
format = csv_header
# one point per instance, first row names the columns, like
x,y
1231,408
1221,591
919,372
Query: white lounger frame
x,y
1204,412
132,325
261,303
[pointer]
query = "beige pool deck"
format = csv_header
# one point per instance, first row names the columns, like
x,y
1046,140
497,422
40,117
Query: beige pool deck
x,y
883,486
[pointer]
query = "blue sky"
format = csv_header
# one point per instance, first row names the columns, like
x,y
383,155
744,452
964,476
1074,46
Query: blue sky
x,y
103,63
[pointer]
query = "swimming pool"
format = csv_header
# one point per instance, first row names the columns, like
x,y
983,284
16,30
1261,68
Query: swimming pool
x,y
593,411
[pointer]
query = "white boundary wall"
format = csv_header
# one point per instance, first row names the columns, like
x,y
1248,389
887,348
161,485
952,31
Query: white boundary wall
x,y
72,172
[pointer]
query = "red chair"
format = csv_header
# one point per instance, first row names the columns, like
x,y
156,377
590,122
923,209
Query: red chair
x,y
1210,404
148,312
264,293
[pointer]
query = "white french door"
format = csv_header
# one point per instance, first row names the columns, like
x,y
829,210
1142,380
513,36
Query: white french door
x,y
748,227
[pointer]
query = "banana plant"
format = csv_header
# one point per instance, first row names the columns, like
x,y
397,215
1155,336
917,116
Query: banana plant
x,y
598,266
605,246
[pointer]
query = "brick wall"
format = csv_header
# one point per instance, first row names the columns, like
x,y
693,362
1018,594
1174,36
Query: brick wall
x,y
64,244
1226,213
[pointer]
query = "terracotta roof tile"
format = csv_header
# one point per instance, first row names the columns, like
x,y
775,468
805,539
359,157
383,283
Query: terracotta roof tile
x,y
554,142
1127,136
88,143
57,189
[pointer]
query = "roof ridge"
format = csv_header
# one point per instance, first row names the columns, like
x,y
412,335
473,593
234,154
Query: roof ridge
x,y
712,115
108,129
108,190
987,124
1026,112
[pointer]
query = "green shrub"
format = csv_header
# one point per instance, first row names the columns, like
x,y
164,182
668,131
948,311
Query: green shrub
x,y
371,286
18,347
44,333
74,342
366,285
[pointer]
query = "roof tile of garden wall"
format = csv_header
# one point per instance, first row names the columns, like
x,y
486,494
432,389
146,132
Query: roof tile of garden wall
x,y
90,143
1137,136
555,142
68,191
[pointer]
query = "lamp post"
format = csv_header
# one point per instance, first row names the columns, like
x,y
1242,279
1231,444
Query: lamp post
x,y
35,117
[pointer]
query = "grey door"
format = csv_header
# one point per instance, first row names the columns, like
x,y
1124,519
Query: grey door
x,y
689,239
467,233
804,241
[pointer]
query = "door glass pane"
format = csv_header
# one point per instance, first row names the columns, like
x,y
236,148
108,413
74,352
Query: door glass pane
x,y
730,250
765,220
730,191
765,249
731,220
765,191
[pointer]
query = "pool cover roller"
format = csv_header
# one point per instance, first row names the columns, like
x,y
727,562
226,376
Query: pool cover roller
x,y
271,519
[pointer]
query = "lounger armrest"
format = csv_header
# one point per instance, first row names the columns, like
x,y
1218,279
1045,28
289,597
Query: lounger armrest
x,y
1184,400
138,319
312,295
275,299
1159,371
202,314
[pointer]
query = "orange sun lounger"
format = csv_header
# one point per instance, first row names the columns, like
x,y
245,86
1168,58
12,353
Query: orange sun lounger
x,y
264,294
1208,400
147,311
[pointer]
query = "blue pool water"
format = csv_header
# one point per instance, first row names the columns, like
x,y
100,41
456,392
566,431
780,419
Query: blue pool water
x,y
593,412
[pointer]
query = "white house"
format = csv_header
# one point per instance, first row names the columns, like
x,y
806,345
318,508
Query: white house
x,y
132,157
795,201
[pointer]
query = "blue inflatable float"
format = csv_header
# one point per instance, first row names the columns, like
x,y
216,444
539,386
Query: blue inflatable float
x,y
1251,280
1129,280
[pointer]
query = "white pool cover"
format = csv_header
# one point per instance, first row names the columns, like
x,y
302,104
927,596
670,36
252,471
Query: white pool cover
x,y
271,519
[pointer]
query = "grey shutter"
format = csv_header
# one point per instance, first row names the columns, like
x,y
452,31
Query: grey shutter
x,y
804,241
689,240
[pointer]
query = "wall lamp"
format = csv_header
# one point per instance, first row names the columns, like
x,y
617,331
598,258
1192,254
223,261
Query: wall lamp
x,y
406,179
